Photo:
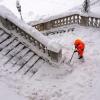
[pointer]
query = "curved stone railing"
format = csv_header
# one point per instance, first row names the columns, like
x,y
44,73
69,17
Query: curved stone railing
x,y
68,20
51,55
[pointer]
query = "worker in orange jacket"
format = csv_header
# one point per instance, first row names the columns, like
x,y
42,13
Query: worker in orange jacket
x,y
79,47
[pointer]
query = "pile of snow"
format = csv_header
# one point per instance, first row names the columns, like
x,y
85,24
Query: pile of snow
x,y
53,46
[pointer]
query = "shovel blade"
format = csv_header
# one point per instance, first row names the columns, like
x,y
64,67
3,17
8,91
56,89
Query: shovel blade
x,y
69,63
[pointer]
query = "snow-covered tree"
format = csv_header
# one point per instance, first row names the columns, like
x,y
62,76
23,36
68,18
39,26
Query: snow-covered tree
x,y
86,6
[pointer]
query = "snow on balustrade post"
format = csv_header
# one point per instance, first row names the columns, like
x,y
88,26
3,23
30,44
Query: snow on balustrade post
x,y
98,22
55,51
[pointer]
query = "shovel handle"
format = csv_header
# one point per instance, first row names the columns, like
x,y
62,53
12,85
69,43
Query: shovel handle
x,y
71,57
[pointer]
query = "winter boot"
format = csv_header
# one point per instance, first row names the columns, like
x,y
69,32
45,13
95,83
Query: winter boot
x,y
80,57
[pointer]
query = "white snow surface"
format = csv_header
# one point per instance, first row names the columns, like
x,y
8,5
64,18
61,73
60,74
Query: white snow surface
x,y
7,93
80,81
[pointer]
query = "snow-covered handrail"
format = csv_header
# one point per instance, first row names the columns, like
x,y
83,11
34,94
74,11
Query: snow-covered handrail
x,y
38,43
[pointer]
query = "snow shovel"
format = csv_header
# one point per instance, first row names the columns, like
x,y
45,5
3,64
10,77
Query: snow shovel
x,y
70,58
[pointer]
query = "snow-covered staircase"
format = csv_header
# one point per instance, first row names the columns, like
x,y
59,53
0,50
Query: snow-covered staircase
x,y
29,37
16,57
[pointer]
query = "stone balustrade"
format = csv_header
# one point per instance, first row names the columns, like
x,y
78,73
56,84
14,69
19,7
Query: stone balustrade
x,y
53,55
68,20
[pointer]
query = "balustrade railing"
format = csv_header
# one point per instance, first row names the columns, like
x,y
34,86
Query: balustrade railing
x,y
68,20
53,55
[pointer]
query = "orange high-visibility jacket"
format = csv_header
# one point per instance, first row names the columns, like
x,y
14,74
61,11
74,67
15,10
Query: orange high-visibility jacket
x,y
79,45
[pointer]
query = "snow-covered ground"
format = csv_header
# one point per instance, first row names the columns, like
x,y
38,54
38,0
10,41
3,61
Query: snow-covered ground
x,y
7,93
80,81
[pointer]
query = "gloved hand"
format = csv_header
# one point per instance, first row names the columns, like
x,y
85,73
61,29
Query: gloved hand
x,y
75,50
